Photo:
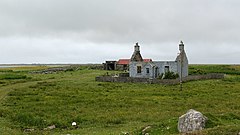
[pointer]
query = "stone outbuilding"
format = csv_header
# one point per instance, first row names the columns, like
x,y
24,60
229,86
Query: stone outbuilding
x,y
121,64
110,65
153,69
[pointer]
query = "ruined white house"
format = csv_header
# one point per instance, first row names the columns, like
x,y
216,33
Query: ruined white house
x,y
153,69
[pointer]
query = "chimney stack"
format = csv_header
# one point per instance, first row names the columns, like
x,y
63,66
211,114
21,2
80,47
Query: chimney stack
x,y
137,48
181,46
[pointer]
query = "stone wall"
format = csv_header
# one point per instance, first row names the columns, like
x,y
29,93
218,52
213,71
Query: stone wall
x,y
158,81
173,66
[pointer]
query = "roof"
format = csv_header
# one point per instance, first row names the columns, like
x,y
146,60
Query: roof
x,y
126,61
147,60
123,61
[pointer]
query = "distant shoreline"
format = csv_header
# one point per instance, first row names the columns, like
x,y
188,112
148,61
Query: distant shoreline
x,y
30,65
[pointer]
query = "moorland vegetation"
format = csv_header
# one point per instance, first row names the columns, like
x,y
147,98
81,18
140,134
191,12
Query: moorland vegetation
x,y
30,102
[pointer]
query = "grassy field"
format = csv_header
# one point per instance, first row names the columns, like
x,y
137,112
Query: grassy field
x,y
31,102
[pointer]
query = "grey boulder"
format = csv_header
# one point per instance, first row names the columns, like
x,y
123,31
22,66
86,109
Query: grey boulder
x,y
191,121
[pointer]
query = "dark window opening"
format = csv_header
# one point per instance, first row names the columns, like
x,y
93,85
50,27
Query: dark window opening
x,y
156,72
147,70
110,67
139,69
166,69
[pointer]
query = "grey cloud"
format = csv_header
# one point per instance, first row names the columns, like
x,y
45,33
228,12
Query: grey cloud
x,y
112,24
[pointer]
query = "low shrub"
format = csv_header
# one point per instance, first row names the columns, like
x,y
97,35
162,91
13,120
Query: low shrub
x,y
170,75
12,76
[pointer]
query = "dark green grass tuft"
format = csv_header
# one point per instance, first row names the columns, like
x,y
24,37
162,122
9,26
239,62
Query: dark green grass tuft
x,y
11,76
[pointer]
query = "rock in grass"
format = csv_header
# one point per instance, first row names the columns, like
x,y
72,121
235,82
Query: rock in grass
x,y
74,124
191,121
29,130
144,131
125,133
50,127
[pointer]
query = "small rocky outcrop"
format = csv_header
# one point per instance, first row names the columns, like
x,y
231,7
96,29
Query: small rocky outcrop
x,y
145,130
191,121
50,127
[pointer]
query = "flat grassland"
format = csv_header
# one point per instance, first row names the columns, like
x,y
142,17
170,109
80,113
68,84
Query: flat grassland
x,y
30,102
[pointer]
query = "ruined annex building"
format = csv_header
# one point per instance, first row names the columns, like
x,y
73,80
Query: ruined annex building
x,y
153,69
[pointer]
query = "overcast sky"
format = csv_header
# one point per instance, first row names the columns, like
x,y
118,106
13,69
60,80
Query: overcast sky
x,y
92,31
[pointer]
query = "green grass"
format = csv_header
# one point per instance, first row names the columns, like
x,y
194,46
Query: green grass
x,y
23,68
204,69
39,101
